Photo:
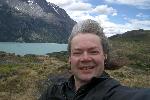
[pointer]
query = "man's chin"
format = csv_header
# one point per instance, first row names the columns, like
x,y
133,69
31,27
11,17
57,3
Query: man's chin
x,y
86,78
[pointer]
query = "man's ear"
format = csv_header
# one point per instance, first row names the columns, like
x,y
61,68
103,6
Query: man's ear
x,y
69,60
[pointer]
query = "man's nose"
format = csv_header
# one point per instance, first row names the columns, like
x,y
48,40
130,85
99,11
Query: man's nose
x,y
85,57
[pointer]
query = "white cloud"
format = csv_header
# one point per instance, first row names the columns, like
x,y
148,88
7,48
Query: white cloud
x,y
104,9
139,15
76,9
80,15
141,4
61,3
140,24
79,6
133,24
142,16
111,28
79,10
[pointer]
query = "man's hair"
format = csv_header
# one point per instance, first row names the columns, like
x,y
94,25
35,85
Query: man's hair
x,y
92,27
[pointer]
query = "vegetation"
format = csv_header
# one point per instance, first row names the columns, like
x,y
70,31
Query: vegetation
x,y
133,47
25,77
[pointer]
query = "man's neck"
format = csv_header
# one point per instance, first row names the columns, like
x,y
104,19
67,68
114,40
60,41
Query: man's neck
x,y
79,83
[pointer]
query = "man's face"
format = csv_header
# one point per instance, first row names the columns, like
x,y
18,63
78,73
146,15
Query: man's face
x,y
87,57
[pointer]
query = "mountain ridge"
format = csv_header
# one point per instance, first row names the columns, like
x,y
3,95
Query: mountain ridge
x,y
33,21
133,35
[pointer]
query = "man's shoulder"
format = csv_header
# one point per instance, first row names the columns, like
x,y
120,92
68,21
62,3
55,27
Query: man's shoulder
x,y
121,92
111,89
58,79
113,85
54,87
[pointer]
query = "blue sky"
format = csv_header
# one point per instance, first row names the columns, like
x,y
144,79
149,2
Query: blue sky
x,y
115,16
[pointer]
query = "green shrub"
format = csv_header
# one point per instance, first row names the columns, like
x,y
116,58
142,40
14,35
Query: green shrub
x,y
8,68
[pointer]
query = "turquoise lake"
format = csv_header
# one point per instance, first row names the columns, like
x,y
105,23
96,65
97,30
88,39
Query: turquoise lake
x,y
31,48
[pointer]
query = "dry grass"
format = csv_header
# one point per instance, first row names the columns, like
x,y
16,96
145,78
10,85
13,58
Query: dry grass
x,y
29,79
132,77
25,83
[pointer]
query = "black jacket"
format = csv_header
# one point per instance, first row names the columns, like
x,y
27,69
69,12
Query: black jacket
x,y
103,88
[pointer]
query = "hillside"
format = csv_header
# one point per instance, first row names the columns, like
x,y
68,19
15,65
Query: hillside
x,y
33,21
26,77
132,48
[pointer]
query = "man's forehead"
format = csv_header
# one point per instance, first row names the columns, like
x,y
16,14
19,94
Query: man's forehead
x,y
85,34
90,48
86,37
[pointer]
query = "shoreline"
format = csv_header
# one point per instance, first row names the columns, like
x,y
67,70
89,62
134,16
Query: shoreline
x,y
32,54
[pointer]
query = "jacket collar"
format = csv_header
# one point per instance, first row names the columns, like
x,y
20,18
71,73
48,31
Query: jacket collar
x,y
93,82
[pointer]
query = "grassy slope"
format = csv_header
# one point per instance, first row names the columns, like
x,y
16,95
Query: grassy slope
x,y
133,47
25,79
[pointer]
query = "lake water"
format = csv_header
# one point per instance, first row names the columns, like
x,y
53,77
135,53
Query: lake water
x,y
31,48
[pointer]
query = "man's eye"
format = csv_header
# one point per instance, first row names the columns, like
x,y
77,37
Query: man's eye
x,y
76,53
94,52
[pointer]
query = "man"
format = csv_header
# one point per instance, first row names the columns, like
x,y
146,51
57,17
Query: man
x,y
88,53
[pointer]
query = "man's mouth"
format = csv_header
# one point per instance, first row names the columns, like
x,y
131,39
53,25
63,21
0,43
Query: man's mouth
x,y
86,67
